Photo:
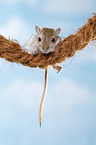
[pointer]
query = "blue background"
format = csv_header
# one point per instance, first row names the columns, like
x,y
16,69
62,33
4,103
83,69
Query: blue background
x,y
69,115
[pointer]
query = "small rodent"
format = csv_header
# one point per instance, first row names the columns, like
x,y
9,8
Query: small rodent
x,y
45,41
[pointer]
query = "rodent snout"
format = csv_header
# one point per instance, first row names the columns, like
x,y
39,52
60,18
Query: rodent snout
x,y
45,49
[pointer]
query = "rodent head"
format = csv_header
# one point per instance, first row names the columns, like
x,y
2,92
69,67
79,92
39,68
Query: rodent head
x,y
47,39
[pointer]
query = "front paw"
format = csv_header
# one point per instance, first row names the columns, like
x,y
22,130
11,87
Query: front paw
x,y
35,52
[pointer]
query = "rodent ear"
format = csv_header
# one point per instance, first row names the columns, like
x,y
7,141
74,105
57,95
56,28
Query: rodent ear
x,y
58,30
37,28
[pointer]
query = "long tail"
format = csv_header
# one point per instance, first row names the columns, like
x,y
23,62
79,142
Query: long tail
x,y
43,96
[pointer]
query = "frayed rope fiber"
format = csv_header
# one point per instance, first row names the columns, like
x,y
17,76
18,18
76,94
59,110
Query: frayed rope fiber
x,y
13,52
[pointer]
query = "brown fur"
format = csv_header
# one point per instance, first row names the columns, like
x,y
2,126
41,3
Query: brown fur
x,y
48,32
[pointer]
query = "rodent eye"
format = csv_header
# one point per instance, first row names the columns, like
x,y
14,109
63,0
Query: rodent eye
x,y
39,39
53,40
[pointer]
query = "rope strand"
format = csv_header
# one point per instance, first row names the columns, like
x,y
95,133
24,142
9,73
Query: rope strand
x,y
13,52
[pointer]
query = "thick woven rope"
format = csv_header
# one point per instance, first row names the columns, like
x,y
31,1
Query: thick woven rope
x,y
13,52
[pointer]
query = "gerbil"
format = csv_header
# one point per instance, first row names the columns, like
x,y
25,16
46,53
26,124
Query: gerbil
x,y
45,42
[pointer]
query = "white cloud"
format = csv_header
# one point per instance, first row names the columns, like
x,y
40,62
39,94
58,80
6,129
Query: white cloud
x,y
31,2
19,95
11,28
10,1
22,93
66,94
86,55
17,29
28,2
69,6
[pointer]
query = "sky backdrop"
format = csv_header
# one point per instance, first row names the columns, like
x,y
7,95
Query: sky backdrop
x,y
69,116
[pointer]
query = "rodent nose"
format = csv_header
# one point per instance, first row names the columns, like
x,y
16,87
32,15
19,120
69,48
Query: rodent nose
x,y
45,49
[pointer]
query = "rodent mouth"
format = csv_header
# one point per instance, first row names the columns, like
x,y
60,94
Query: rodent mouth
x,y
41,51
48,52
45,52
